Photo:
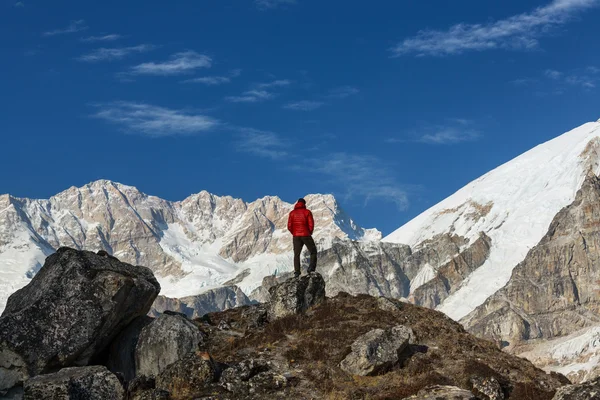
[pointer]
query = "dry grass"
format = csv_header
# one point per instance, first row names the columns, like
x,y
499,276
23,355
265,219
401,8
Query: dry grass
x,y
316,343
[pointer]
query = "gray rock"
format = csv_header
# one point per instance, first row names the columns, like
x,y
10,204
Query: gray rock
x,y
439,392
296,295
236,378
187,378
219,299
121,354
70,312
583,391
377,350
89,383
487,388
167,339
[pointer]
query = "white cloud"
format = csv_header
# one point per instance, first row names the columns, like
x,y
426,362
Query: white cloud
x,y
153,120
74,26
342,92
579,80
116,53
454,131
251,96
517,32
593,70
268,4
553,74
304,105
261,143
361,176
19,4
104,38
215,80
178,64
450,135
277,83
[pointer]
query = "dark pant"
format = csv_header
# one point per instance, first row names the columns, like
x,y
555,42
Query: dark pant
x,y
299,242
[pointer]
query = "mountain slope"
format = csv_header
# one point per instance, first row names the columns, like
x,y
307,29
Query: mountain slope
x,y
192,245
513,205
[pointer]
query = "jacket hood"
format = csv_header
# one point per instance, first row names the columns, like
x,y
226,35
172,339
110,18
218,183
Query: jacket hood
x,y
299,205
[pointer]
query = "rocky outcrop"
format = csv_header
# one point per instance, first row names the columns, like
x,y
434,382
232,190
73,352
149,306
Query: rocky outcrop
x,y
449,276
554,291
219,299
169,338
377,350
89,383
296,295
70,312
584,391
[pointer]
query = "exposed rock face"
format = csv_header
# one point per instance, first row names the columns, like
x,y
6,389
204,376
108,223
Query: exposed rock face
x,y
219,299
440,392
450,275
90,383
554,291
585,391
70,312
296,295
167,339
377,350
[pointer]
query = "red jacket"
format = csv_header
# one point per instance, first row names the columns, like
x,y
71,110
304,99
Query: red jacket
x,y
300,221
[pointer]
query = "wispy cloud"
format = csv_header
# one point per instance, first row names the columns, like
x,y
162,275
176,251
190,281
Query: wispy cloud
x,y
19,4
74,27
153,120
454,131
268,4
178,64
342,92
251,96
273,84
361,176
215,80
104,38
116,53
261,143
524,81
304,105
519,32
583,81
553,74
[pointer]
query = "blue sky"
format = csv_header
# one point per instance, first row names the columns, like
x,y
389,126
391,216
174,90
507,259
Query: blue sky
x,y
390,105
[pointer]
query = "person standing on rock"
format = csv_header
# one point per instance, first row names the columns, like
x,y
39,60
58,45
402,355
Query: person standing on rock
x,y
301,225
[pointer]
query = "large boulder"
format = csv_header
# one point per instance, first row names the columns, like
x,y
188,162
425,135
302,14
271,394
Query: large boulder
x,y
377,350
169,338
296,295
188,377
583,391
89,383
70,312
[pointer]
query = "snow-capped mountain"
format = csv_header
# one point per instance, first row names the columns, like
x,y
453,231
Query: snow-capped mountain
x,y
513,205
191,245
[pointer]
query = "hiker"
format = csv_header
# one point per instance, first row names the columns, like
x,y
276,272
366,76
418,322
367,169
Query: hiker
x,y
301,225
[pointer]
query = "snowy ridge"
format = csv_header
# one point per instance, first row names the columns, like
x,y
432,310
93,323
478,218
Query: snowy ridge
x,y
514,205
192,245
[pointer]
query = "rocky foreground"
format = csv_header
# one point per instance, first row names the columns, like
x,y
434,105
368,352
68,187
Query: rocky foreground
x,y
80,330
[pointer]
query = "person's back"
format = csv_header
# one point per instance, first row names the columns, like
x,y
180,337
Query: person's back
x,y
301,225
